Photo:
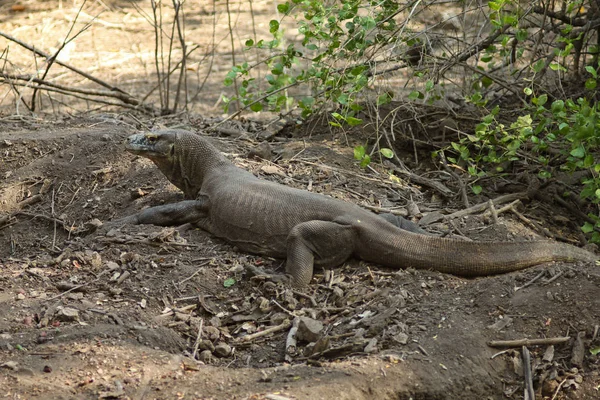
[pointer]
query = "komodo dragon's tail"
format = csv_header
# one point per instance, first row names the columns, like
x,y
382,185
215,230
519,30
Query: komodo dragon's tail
x,y
401,249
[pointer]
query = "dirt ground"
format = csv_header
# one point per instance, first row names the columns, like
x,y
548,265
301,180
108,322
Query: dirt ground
x,y
91,314
129,324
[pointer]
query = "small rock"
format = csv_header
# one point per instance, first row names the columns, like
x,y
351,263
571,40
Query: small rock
x,y
136,193
338,292
211,333
549,354
190,365
549,387
205,356
262,150
393,358
371,347
500,324
222,350
26,372
93,224
413,209
10,365
67,314
93,258
206,345
47,369
309,330
401,338
321,345
20,296
112,266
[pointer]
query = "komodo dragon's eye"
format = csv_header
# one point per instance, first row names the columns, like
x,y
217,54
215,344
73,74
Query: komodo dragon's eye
x,y
151,139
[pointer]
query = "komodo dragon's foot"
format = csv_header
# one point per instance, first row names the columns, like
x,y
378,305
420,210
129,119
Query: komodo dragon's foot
x,y
258,273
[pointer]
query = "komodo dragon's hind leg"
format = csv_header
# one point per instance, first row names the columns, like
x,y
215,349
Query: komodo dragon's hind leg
x,y
322,243
187,211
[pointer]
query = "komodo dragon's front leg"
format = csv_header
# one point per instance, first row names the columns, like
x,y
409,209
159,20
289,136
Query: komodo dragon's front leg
x,y
183,212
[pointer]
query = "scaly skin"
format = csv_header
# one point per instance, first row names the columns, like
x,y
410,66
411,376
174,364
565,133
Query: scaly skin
x,y
310,229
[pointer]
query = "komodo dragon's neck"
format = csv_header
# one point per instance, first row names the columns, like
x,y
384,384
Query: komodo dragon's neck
x,y
183,159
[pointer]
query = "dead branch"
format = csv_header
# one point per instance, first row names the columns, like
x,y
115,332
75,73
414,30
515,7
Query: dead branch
x,y
119,93
528,342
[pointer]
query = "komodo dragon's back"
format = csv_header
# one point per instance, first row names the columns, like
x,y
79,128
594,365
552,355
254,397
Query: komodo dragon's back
x,y
311,229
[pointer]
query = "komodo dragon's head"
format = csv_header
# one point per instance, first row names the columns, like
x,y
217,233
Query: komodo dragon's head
x,y
182,156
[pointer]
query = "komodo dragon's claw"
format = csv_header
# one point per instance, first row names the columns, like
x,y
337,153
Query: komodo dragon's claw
x,y
258,273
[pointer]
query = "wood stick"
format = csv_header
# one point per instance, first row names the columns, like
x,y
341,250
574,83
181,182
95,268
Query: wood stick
x,y
286,324
482,206
528,342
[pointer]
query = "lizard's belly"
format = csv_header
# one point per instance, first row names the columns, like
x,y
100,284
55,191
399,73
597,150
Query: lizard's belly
x,y
251,240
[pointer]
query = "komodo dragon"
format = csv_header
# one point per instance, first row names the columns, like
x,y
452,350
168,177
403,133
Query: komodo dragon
x,y
310,229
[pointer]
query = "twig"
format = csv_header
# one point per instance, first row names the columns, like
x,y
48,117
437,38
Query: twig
x,y
313,302
558,388
555,277
200,269
533,224
198,338
531,282
402,213
122,95
52,59
528,342
235,85
529,392
284,325
182,72
435,185
157,46
482,206
493,211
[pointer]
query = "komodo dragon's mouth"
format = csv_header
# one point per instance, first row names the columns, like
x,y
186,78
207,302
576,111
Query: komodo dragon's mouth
x,y
149,145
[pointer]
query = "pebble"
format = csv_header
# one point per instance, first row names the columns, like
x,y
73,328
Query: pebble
x,y
309,330
222,350
205,356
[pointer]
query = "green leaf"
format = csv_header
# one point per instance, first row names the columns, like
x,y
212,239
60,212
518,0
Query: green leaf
x,y
256,107
587,227
544,174
538,66
387,153
283,8
476,189
578,152
273,26
528,91
414,95
249,43
591,84
540,101
353,121
557,67
521,35
595,350
591,71
229,282
359,152
365,161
